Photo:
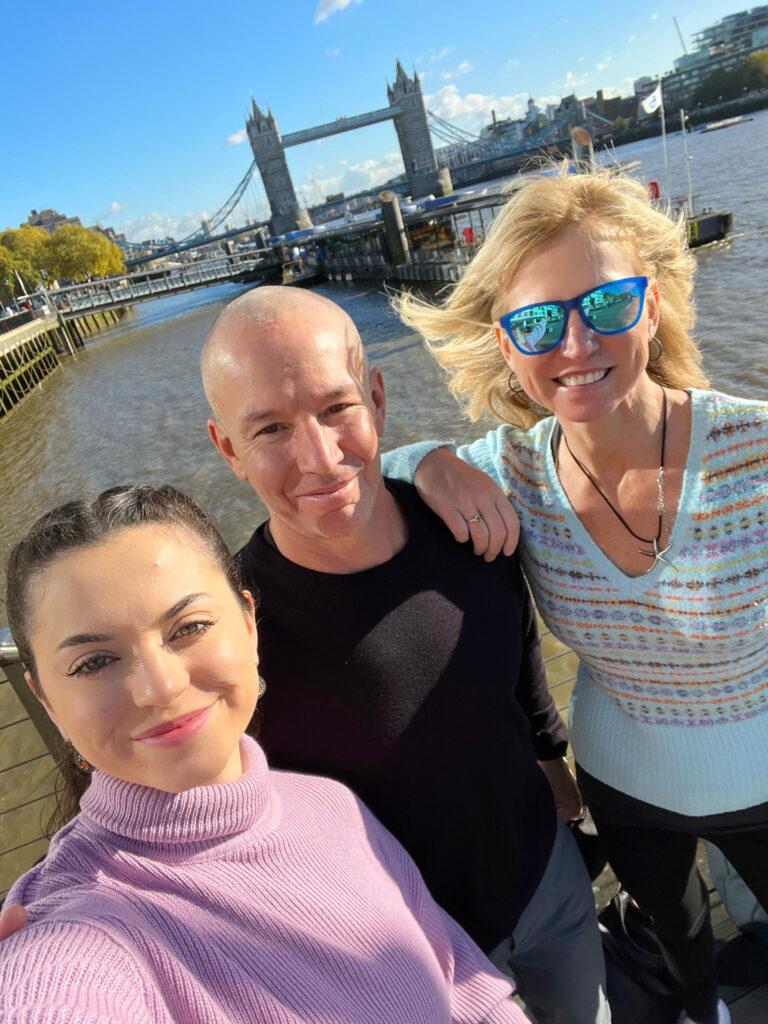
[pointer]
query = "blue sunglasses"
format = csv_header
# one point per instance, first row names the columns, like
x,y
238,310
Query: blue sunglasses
x,y
610,308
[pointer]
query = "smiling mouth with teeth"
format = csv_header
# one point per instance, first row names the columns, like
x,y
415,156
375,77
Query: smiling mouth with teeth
x,y
573,380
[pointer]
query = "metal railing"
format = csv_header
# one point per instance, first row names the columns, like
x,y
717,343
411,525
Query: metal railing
x,y
29,744
124,289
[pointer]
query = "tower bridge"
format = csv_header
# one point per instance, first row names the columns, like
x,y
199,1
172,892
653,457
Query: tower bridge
x,y
468,157
407,110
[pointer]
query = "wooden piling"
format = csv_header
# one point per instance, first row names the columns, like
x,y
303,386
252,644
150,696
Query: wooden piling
x,y
28,355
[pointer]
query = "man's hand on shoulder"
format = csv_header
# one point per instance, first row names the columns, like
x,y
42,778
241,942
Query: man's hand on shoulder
x,y
470,504
12,919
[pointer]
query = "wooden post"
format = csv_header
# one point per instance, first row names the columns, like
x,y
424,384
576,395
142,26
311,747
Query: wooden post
x,y
394,230
63,333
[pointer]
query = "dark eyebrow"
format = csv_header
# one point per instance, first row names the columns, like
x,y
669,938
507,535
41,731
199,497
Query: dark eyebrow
x,y
100,638
179,607
84,638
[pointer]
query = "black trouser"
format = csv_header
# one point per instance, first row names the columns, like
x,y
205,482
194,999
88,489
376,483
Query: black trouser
x,y
658,868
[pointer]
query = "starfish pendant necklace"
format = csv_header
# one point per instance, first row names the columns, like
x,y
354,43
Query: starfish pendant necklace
x,y
657,553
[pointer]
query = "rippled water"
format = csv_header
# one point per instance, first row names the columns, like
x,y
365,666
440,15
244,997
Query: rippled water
x,y
131,406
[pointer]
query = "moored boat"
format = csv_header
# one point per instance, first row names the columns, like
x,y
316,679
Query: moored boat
x,y
728,122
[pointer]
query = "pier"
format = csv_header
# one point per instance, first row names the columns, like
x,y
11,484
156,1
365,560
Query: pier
x,y
112,293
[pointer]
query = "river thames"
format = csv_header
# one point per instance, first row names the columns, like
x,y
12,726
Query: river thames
x,y
131,407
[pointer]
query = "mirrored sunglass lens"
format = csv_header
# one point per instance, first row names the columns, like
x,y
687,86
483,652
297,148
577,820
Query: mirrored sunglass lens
x,y
538,328
613,307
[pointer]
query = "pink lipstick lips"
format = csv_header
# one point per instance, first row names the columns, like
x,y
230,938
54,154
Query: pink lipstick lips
x,y
177,731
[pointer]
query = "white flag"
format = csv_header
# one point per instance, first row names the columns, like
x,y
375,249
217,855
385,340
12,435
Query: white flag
x,y
652,101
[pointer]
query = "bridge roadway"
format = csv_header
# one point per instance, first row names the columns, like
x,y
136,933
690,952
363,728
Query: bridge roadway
x,y
343,124
127,289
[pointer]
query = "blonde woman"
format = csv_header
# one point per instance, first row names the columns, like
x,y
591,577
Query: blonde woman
x,y
643,508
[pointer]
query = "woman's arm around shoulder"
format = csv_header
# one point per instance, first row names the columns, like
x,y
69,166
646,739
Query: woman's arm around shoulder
x,y
64,972
462,486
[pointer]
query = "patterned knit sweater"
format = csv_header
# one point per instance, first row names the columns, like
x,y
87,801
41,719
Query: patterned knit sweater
x,y
274,899
671,701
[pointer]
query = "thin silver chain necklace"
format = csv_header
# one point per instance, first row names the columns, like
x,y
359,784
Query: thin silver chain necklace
x,y
656,553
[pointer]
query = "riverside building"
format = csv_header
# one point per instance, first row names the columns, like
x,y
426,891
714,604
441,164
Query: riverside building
x,y
722,46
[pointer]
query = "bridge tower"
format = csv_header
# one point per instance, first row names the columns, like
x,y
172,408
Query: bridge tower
x,y
413,132
267,145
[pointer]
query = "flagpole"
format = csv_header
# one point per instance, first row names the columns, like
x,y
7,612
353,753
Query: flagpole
x,y
664,143
687,163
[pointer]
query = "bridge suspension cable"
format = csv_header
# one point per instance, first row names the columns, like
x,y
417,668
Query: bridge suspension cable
x,y
224,211
458,134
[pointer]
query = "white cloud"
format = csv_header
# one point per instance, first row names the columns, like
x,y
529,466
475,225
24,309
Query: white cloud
x,y
327,186
571,83
161,225
473,111
654,17
603,64
463,69
354,177
511,65
435,55
238,138
112,211
625,88
631,39
328,7
333,53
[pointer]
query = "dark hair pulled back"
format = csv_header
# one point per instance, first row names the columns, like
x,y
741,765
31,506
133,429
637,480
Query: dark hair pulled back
x,y
81,523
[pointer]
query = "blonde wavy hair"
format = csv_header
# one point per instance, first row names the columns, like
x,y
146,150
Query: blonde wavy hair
x,y
611,207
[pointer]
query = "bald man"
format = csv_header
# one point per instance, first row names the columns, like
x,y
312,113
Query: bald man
x,y
395,660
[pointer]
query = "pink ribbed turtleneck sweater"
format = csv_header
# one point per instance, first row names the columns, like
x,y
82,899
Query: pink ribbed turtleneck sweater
x,y
275,899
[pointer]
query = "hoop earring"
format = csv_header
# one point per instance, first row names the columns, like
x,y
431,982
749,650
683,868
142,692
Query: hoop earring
x,y
80,762
659,354
516,388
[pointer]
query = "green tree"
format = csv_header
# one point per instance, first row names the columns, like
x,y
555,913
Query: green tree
x,y
27,242
753,73
111,259
77,253
720,85
10,265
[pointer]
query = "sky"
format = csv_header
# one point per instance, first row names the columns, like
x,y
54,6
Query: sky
x,y
132,114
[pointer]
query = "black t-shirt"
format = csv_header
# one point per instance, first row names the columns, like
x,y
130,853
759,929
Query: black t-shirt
x,y
419,683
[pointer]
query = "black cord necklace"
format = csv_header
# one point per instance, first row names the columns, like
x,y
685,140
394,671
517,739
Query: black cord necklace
x,y
657,554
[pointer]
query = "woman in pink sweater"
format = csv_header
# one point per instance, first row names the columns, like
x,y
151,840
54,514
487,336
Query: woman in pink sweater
x,y
195,885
